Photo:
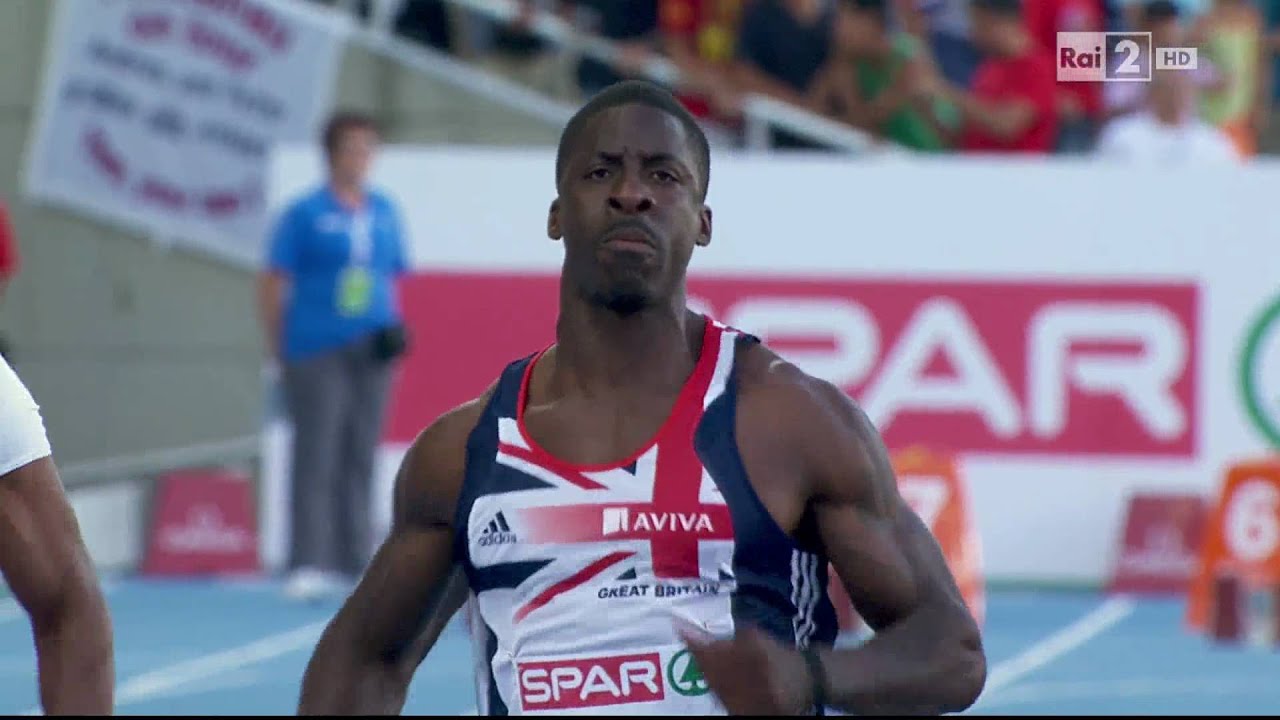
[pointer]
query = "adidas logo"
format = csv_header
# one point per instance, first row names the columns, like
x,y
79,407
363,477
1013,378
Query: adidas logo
x,y
497,532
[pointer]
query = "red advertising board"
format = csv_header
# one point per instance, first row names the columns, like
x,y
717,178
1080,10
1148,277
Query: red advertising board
x,y
1000,367
204,523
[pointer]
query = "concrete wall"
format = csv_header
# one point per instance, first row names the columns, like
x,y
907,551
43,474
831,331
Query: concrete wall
x,y
129,347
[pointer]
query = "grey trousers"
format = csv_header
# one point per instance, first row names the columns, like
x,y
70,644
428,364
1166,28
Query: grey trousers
x,y
337,403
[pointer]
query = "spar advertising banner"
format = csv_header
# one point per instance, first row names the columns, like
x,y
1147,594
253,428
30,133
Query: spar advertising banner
x,y
161,114
1074,333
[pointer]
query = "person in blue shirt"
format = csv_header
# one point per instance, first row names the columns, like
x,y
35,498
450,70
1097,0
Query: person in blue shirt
x,y
333,328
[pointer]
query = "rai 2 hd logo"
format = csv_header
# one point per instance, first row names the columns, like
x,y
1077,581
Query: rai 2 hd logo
x,y
1117,57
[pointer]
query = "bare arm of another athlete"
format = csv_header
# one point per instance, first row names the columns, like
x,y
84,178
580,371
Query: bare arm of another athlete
x,y
367,656
46,564
926,656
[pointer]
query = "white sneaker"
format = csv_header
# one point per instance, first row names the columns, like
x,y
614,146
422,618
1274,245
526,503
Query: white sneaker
x,y
308,584
338,584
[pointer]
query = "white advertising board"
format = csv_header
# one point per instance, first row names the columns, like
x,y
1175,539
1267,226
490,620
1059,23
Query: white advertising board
x,y
1073,332
162,115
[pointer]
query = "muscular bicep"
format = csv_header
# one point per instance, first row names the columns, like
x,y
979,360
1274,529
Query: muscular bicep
x,y
404,588
886,557
888,565
41,551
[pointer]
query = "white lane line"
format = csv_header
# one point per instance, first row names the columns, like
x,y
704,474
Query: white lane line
x,y
1132,688
234,680
162,681
1040,654
148,685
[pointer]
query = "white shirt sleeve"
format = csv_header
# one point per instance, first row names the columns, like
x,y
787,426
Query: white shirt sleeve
x,y
22,436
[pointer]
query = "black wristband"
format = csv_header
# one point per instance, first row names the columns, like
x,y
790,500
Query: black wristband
x,y
817,679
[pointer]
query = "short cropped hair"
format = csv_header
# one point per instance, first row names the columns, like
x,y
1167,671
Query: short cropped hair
x,y
637,92
339,123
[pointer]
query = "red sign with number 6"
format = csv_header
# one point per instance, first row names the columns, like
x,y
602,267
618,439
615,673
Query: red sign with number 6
x,y
1243,537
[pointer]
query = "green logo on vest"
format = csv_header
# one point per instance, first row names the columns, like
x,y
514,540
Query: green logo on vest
x,y
684,676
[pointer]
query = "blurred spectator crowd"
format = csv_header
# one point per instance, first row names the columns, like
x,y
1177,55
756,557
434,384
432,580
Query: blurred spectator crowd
x,y
929,75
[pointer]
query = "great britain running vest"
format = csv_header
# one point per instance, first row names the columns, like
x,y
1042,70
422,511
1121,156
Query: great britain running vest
x,y
579,574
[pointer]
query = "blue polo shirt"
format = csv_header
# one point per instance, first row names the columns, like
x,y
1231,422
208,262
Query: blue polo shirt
x,y
313,246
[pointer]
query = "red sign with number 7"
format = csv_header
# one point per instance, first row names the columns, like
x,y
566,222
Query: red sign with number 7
x,y
931,484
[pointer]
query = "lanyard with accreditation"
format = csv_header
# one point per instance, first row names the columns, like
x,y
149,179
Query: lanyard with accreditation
x,y
355,283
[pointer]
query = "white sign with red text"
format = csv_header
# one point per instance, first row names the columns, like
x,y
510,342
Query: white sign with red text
x,y
162,114
1069,332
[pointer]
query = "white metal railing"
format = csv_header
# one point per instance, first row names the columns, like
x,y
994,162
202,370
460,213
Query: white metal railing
x,y
452,71
378,38
147,464
761,112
